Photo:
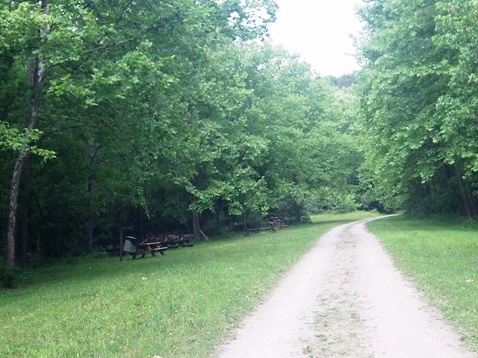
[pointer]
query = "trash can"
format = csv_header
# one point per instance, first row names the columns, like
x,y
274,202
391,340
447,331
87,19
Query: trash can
x,y
129,244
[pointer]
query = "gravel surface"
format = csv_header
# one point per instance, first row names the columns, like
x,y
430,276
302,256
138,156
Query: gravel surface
x,y
344,298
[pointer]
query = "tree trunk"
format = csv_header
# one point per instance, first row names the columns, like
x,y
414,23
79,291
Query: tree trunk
x,y
142,230
90,223
36,76
244,221
25,234
90,216
471,201
12,210
196,226
466,194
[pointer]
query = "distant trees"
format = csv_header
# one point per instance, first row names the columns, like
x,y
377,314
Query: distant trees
x,y
418,103
344,81
140,116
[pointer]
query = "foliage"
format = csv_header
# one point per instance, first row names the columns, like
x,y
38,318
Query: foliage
x,y
13,139
158,113
417,115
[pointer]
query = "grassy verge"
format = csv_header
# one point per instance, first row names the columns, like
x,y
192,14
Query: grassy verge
x,y
178,305
442,259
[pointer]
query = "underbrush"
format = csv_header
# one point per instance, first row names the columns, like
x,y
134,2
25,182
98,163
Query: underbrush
x,y
441,256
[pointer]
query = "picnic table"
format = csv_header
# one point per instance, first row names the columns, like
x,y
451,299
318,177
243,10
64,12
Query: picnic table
x,y
143,248
175,241
273,223
148,248
135,249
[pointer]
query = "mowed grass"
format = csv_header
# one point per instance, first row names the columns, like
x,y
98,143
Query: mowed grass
x,y
181,304
441,257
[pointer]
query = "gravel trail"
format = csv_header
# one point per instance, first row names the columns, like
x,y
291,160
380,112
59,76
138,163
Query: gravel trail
x,y
344,298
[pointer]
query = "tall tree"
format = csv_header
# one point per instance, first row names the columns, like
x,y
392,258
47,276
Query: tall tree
x,y
36,75
404,84
396,82
100,72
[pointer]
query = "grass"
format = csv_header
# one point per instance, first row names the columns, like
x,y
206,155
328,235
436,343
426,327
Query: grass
x,y
441,257
179,305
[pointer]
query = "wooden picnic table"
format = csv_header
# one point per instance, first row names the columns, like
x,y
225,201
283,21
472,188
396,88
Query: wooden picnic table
x,y
148,248
175,241
158,245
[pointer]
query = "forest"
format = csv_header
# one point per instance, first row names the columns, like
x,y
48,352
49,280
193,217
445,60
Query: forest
x,y
146,117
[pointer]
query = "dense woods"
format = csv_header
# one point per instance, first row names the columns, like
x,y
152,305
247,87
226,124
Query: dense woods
x,y
418,104
150,117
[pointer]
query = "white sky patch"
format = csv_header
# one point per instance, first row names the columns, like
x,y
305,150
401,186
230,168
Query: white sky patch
x,y
320,31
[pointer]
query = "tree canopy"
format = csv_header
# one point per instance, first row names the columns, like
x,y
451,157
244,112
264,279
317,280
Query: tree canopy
x,y
417,100
147,117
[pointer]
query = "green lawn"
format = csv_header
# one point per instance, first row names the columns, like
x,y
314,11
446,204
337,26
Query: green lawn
x,y
178,305
441,257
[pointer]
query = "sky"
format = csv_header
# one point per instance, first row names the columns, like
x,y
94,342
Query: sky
x,y
320,31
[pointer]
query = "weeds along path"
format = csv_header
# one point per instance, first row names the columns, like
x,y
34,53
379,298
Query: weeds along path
x,y
344,298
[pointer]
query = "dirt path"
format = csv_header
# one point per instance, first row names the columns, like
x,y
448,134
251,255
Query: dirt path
x,y
344,298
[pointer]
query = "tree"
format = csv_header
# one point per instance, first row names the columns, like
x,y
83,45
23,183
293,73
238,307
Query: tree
x,y
36,75
96,68
456,27
163,114
403,87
